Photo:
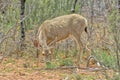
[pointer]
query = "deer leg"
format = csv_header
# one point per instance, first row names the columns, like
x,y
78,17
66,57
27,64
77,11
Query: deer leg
x,y
45,48
53,42
80,47
46,52
52,45
80,53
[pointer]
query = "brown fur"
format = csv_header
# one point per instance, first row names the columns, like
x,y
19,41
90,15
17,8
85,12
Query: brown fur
x,y
59,28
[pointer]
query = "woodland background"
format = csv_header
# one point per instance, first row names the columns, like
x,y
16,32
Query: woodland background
x,y
18,55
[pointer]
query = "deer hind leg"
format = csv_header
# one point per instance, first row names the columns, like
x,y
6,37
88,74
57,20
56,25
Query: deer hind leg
x,y
80,47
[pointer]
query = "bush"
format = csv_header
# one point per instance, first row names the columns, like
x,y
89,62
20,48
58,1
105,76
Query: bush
x,y
66,62
106,59
51,65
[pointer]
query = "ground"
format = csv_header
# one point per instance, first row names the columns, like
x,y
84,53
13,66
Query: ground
x,y
22,69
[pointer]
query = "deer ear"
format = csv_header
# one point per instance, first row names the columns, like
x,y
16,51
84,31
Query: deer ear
x,y
36,43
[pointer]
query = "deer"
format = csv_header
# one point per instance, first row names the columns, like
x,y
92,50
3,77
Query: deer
x,y
60,28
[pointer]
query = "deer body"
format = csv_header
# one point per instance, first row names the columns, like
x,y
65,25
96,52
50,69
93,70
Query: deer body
x,y
60,28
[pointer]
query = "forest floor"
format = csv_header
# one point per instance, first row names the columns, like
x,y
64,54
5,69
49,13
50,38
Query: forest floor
x,y
24,69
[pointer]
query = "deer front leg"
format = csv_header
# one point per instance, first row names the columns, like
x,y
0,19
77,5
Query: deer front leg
x,y
45,48
80,53
80,47
46,51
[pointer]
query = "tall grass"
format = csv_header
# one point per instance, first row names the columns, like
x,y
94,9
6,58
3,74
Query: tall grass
x,y
36,11
41,10
106,58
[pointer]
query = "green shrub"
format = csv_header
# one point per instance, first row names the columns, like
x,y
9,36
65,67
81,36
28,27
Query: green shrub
x,y
116,77
106,59
66,62
50,65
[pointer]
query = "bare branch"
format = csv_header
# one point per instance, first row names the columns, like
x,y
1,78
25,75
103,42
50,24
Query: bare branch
x,y
7,34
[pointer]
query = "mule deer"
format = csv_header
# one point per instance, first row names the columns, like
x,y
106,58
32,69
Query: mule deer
x,y
60,28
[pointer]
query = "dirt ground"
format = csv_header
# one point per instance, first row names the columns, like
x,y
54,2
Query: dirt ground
x,y
51,75
22,69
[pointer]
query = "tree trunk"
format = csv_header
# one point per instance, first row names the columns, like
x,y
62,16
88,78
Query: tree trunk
x,y
117,40
119,6
22,24
73,7
2,7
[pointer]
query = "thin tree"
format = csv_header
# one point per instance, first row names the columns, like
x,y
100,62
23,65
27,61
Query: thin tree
x,y
2,7
117,40
73,6
119,6
22,24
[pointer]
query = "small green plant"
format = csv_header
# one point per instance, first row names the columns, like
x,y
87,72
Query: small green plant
x,y
8,69
73,77
9,60
77,77
106,59
66,62
73,53
50,65
116,77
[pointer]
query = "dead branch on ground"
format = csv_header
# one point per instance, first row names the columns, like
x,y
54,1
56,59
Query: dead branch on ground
x,y
72,67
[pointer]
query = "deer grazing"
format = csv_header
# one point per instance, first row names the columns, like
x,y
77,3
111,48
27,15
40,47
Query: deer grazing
x,y
60,28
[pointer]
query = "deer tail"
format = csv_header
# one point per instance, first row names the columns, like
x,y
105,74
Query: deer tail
x,y
86,30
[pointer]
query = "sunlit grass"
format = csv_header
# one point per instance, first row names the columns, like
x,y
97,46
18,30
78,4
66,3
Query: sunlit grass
x,y
107,58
